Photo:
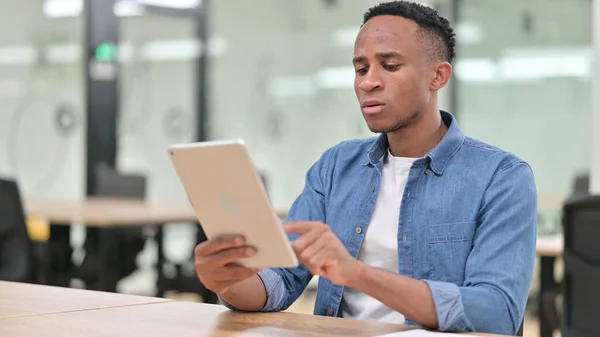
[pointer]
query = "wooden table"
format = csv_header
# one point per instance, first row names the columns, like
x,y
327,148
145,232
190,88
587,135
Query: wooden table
x,y
549,248
184,319
21,300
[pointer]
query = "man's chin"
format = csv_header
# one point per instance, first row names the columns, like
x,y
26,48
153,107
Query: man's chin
x,y
389,128
377,130
381,128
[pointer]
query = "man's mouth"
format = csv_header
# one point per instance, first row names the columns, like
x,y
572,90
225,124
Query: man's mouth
x,y
372,107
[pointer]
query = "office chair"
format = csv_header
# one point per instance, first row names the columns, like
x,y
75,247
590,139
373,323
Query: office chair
x,y
129,241
16,257
581,185
581,226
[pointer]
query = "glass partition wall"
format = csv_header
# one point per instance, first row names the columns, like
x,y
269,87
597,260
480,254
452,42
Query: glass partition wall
x,y
42,115
524,74
284,82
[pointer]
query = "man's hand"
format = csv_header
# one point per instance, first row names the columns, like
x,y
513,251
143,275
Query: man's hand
x,y
320,250
215,262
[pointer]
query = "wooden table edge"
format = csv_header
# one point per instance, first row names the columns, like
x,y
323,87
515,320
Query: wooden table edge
x,y
88,309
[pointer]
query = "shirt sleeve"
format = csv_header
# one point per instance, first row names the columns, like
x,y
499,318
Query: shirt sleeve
x,y
276,291
499,269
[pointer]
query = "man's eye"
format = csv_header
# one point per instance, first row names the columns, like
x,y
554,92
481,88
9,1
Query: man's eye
x,y
391,67
361,71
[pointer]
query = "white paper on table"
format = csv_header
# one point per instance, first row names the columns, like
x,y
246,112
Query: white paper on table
x,y
420,333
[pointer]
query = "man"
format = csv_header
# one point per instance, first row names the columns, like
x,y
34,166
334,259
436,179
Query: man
x,y
420,225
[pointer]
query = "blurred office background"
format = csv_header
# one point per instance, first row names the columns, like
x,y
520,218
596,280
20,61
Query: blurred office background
x,y
277,74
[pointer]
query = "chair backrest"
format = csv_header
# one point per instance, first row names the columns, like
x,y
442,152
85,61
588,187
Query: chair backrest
x,y
581,225
110,183
129,241
581,186
16,257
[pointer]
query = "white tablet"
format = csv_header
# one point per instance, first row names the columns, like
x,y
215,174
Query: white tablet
x,y
229,197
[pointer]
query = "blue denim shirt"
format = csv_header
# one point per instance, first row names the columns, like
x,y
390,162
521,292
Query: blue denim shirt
x,y
467,228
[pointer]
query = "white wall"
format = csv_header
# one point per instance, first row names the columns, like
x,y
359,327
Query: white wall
x,y
595,177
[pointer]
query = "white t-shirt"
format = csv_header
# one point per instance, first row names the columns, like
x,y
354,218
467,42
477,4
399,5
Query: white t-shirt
x,y
380,245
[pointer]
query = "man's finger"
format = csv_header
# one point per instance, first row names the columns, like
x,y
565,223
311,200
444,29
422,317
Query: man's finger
x,y
228,256
310,250
308,238
324,257
311,263
218,244
301,228
232,273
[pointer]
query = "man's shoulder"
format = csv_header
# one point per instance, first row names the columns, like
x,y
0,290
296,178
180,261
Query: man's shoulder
x,y
352,152
354,145
501,158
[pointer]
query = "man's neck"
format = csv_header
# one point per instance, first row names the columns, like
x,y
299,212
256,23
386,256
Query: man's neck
x,y
417,139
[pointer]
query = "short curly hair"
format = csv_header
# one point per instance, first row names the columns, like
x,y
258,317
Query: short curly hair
x,y
435,30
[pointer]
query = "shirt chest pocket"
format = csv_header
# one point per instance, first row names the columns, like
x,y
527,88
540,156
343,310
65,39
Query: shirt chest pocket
x,y
448,247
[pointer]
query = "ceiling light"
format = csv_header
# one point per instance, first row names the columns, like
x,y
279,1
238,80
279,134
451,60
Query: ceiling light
x,y
128,8
63,8
172,3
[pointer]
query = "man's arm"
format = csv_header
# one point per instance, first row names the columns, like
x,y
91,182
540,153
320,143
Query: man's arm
x,y
248,295
500,266
404,294
498,270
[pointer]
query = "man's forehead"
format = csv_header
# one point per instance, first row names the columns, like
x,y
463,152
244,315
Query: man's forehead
x,y
387,29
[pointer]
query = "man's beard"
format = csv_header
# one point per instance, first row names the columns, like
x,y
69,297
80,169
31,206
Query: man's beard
x,y
402,123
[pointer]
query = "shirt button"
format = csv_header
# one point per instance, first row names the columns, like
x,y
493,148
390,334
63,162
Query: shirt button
x,y
330,312
427,171
373,189
358,230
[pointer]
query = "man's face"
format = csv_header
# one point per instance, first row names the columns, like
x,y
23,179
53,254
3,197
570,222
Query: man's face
x,y
392,73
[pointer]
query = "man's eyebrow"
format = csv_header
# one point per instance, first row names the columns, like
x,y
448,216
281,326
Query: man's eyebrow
x,y
359,59
384,55
389,55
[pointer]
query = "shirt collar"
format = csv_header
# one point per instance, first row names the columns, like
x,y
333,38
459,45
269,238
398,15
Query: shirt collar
x,y
438,157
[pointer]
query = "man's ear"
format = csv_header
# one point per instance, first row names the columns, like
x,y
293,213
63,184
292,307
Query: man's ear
x,y
441,75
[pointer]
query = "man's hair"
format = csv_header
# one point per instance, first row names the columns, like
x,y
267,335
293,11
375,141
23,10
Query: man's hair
x,y
435,31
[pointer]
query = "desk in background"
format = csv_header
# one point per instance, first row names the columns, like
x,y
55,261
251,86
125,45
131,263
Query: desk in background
x,y
106,214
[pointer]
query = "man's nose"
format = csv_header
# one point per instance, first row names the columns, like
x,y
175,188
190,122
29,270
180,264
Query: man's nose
x,y
371,81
